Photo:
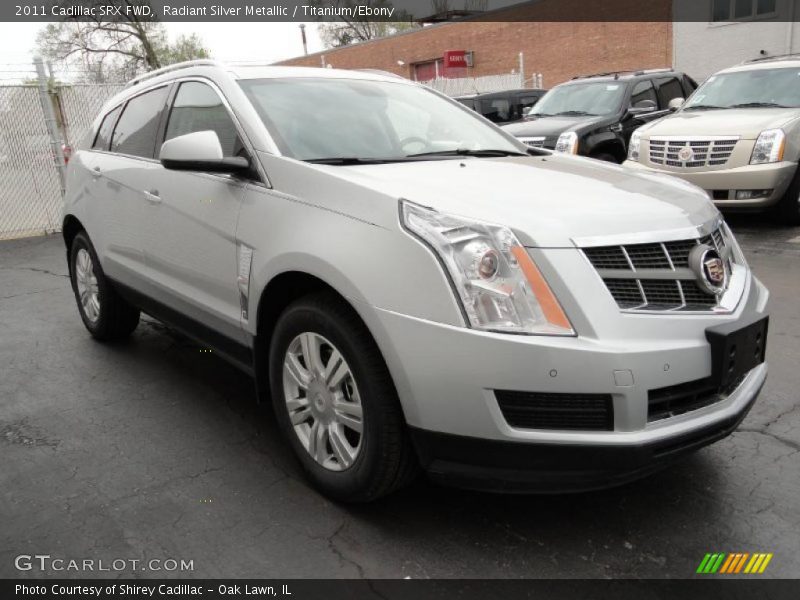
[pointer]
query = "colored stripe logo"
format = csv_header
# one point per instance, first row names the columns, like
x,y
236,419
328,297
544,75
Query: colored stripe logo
x,y
734,563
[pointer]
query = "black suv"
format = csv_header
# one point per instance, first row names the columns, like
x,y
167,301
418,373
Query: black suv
x,y
595,115
503,107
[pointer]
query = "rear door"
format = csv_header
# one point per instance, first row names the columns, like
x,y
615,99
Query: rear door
x,y
192,253
123,162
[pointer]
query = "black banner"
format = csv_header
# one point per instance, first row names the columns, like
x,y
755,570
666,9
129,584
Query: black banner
x,y
369,10
391,589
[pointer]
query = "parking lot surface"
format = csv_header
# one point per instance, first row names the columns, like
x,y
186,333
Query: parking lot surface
x,y
155,449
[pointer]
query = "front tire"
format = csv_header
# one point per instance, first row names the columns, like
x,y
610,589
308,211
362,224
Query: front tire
x,y
335,401
787,210
104,312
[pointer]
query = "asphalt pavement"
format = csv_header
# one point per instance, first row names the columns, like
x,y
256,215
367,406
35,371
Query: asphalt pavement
x,y
153,449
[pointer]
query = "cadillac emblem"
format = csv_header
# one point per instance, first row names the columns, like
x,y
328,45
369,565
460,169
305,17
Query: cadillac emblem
x,y
709,269
686,153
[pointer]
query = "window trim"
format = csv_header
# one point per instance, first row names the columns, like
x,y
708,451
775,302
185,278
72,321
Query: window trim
x,y
99,127
263,178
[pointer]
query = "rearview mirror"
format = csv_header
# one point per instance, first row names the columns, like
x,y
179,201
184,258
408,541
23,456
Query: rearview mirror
x,y
675,103
200,151
642,107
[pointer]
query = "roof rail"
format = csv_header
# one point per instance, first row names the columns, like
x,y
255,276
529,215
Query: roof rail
x,y
203,62
775,57
633,72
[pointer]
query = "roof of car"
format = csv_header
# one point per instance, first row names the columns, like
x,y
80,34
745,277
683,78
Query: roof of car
x,y
501,93
766,62
631,75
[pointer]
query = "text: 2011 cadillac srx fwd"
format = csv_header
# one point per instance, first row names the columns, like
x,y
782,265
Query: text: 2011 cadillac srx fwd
x,y
409,285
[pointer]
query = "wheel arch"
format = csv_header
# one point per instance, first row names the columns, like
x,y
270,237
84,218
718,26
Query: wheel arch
x,y
283,289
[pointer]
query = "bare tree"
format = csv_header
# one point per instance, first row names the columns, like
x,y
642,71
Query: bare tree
x,y
104,49
351,30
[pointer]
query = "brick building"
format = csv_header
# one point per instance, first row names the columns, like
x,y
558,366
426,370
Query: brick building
x,y
608,38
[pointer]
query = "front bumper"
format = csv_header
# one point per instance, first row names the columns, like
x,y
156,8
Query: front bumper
x,y
447,376
775,177
490,465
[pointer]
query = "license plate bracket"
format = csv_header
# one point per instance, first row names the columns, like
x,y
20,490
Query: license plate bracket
x,y
736,348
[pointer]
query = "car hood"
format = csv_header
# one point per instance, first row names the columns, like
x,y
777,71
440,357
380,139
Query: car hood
x,y
548,126
548,200
744,122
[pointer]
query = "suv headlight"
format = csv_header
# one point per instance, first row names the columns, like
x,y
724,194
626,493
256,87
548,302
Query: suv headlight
x,y
769,147
497,283
567,143
633,146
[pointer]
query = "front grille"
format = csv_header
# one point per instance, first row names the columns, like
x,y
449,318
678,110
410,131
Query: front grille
x,y
666,402
713,152
544,410
533,142
633,274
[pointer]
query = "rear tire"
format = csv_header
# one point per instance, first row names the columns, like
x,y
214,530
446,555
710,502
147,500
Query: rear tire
x,y
787,211
361,448
104,312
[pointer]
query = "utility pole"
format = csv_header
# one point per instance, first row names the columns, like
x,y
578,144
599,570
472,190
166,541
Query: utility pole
x,y
303,35
50,122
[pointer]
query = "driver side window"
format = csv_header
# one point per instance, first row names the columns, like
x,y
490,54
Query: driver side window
x,y
644,91
197,107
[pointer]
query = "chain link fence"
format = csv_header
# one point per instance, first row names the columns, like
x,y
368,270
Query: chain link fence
x,y
30,192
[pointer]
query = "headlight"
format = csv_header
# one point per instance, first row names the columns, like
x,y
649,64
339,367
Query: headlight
x,y
497,283
769,147
633,146
567,143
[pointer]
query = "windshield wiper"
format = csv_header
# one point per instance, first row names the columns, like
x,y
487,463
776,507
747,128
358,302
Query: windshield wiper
x,y
467,152
705,107
576,113
352,160
759,105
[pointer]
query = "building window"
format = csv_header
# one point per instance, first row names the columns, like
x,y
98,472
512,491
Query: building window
x,y
741,10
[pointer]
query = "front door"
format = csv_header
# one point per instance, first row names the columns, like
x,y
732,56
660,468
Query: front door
x,y
191,251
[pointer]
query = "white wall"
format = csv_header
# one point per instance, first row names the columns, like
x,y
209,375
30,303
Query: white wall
x,y
701,48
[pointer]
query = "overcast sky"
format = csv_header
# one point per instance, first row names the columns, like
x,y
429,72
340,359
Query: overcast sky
x,y
263,42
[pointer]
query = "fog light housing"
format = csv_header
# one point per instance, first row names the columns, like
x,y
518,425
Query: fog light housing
x,y
752,194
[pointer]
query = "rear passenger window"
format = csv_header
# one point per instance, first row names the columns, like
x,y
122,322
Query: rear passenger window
x,y
135,133
198,107
643,91
104,133
669,89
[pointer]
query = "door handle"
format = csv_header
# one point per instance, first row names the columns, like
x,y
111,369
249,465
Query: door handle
x,y
152,196
96,173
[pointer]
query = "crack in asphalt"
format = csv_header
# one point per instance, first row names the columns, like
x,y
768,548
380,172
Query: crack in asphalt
x,y
780,439
35,270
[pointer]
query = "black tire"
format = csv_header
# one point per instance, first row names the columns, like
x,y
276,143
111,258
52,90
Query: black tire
x,y
386,460
787,210
116,319
604,156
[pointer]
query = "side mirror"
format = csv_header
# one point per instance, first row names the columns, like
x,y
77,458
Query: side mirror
x,y
643,107
200,151
675,103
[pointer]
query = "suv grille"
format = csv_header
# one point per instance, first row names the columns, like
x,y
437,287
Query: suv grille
x,y
633,274
713,152
543,410
674,400
539,141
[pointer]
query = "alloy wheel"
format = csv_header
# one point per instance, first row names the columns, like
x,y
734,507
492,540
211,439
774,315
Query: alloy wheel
x,y
323,401
86,281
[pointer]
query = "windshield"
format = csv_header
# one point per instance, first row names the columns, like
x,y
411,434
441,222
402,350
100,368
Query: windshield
x,y
596,98
756,88
327,119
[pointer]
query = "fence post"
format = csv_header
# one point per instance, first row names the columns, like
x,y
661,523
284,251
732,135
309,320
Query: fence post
x,y
51,123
